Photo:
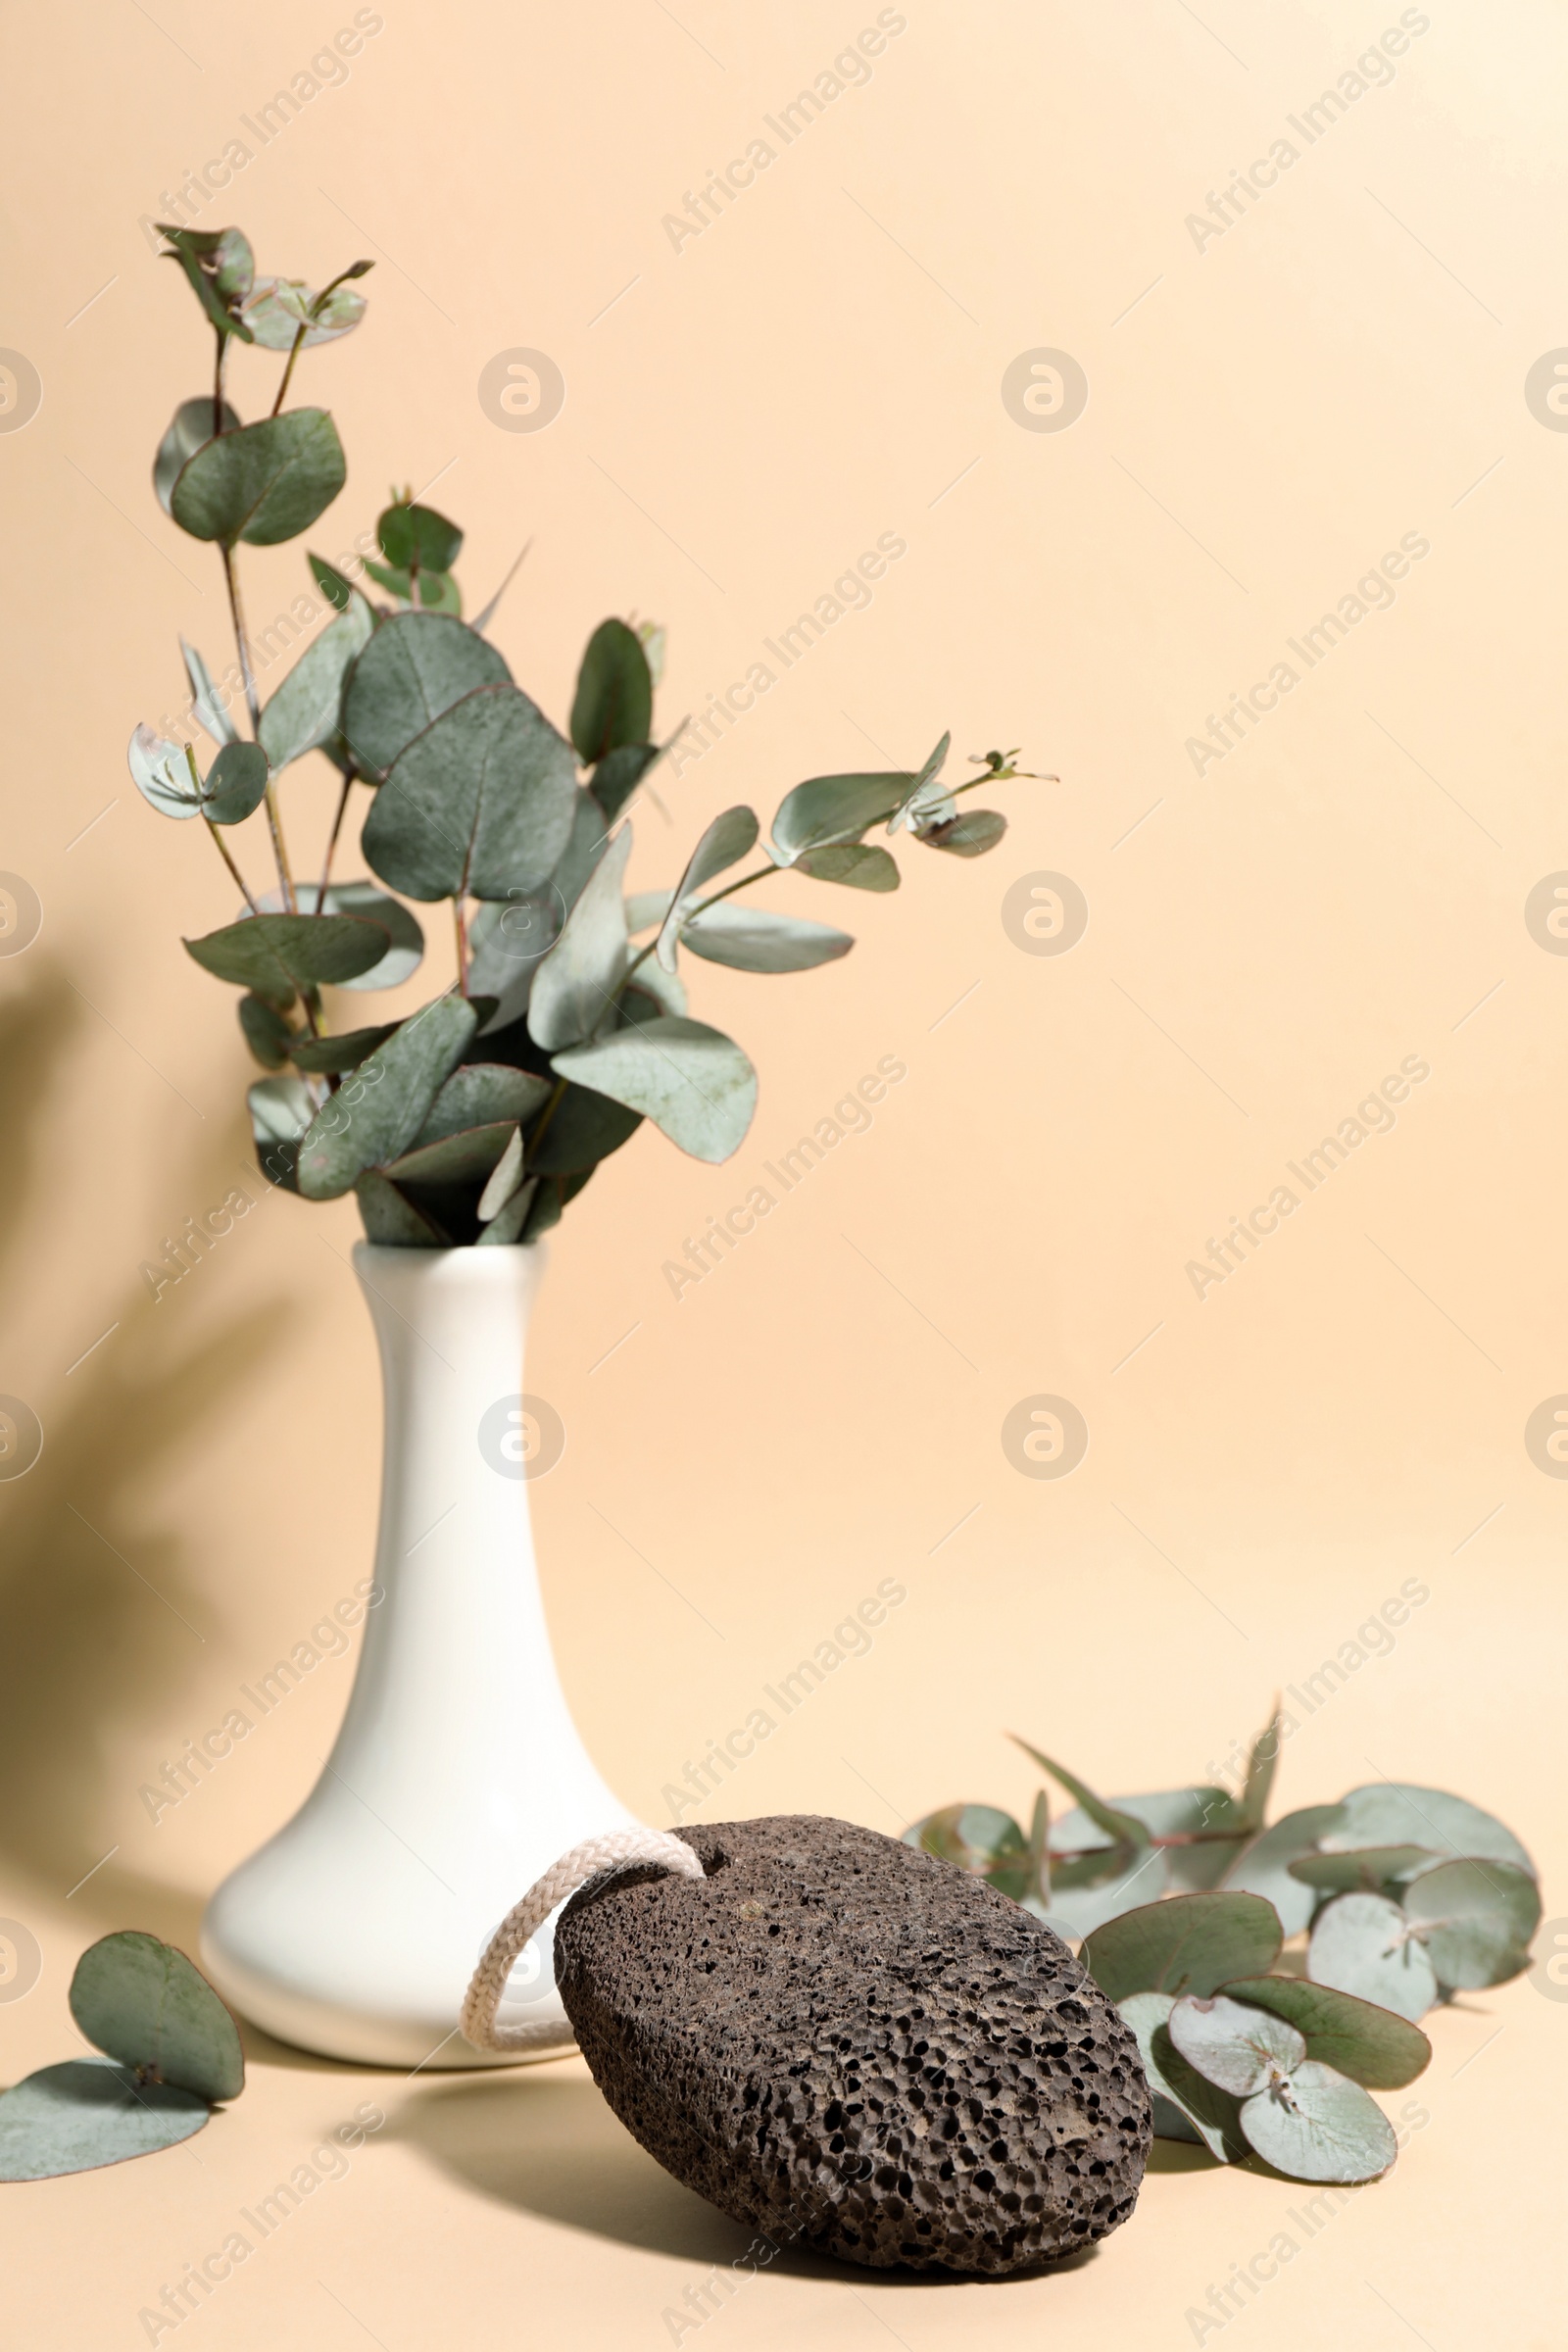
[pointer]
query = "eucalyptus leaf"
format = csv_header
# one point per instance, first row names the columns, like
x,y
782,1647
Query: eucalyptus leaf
x,y
1370,1868
574,985
828,809
619,774
981,1839
691,1081
190,430
150,2007
750,939
1263,1866
584,1128
1320,2127
235,784
481,1093
503,1180
1391,1813
222,270
89,2112
416,666
721,845
858,868
1186,2105
278,955
1261,1766
646,907
335,1054
1374,2046
267,1033
970,834
338,592
162,775
1361,1944
1186,1944
368,901
1122,1828
506,940
468,1157
1235,2046
276,307
391,1219
1085,1894
585,846
211,714
378,1114
1475,1919
614,705
924,792
263,483
509,1224
411,535
650,991
479,805
281,1110
304,714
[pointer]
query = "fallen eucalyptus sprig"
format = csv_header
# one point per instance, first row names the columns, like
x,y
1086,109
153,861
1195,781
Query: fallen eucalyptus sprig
x,y
476,1119
1184,1900
173,2053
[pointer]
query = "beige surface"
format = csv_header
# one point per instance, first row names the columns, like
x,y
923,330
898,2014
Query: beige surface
x,y
1344,889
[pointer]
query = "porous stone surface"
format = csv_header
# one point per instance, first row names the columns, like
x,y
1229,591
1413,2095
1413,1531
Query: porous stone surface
x,y
851,2046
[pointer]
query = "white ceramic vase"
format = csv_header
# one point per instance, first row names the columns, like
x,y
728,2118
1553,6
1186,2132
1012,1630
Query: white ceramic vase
x,y
458,1776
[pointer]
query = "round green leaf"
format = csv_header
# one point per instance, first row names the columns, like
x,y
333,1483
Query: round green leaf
x,y
416,666
614,705
344,1052
190,430
1393,1813
89,2112
378,1114
1264,1867
277,955
1236,2047
1187,2106
1187,1944
150,2007
584,1128
1374,2046
276,307
479,805
968,835
1475,1919
481,1093
1361,1944
162,775
691,1081
263,485
981,1839
235,785
412,535
750,939
1320,2127
834,810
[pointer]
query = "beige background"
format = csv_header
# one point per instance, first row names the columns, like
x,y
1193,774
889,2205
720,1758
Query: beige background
x,y
1343,365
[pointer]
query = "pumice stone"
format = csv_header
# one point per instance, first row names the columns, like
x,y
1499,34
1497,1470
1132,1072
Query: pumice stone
x,y
856,2048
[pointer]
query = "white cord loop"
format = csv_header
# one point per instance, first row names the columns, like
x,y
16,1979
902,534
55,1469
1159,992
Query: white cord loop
x,y
526,1918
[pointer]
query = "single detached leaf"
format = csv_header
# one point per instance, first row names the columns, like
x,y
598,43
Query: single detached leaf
x,y
236,784
305,714
190,430
345,1052
750,940
89,2112
1238,2048
584,1128
263,485
619,774
723,845
1374,2046
613,703
834,810
1122,1828
415,536
1390,1813
211,714
278,955
479,805
1186,2105
1186,1944
857,867
392,1221
1263,1866
1476,1920
267,1033
467,1158
1369,1868
1361,1944
1320,2127
150,2007
481,1093
968,835
574,985
416,666
378,1114
162,775
691,1081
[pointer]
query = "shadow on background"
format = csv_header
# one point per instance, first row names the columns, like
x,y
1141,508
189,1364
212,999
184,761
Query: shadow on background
x,y
102,1616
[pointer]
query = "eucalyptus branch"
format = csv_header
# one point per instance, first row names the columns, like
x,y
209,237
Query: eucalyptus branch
x,y
295,348
218,381
461,929
223,849
728,892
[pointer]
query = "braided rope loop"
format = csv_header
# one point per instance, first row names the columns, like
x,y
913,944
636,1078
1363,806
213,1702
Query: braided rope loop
x,y
524,1920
